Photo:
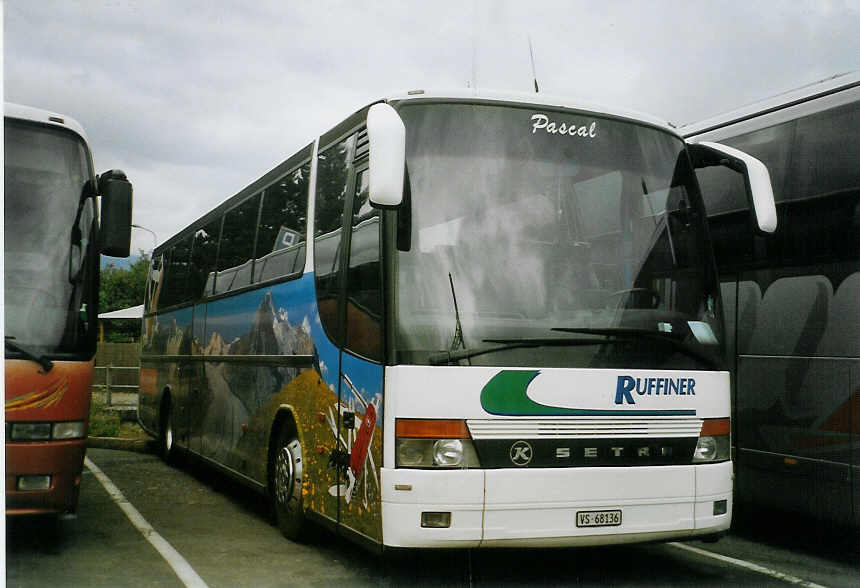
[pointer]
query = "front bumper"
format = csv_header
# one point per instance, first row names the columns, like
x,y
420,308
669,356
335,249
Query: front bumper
x,y
62,460
537,507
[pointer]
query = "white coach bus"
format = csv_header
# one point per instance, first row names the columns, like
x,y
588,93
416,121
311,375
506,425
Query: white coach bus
x,y
496,322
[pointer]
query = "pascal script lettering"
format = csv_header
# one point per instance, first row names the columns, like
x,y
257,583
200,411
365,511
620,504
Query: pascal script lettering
x,y
541,121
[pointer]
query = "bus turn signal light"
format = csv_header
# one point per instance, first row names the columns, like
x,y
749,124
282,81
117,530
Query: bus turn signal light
x,y
432,429
712,427
434,443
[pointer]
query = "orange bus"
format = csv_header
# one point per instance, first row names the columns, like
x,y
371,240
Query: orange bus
x,y
51,253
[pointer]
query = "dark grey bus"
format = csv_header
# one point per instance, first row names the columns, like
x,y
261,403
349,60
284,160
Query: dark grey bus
x,y
792,299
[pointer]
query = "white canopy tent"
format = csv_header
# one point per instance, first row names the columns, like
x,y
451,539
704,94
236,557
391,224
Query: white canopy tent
x,y
133,312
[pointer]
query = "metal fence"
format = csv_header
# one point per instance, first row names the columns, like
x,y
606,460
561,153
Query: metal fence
x,y
113,375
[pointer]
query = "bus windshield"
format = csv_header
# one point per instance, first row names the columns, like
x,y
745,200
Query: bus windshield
x,y
48,225
552,238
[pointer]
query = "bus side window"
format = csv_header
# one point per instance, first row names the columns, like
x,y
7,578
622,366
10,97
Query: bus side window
x,y
364,281
152,284
283,221
821,218
205,249
724,194
175,273
826,152
236,247
333,167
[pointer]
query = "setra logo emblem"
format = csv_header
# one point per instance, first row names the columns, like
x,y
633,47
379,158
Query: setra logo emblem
x,y
521,453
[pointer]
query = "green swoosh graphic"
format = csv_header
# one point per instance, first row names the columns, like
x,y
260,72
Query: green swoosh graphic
x,y
505,394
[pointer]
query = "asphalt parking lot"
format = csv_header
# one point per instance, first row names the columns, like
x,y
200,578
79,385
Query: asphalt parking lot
x,y
224,535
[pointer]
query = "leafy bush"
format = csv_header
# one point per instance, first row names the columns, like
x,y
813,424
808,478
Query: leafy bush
x,y
122,287
103,423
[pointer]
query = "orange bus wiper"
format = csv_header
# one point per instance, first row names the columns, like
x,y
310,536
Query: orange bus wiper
x,y
47,364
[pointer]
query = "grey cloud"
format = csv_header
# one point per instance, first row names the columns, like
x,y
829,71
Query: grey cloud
x,y
196,99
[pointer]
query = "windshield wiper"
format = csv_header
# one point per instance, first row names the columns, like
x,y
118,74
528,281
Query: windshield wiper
x,y
458,340
47,364
448,357
616,335
626,334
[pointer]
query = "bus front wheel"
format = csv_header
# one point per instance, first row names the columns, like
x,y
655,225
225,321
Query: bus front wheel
x,y
286,484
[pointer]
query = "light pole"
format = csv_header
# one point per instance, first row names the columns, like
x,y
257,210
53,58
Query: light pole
x,y
149,273
151,232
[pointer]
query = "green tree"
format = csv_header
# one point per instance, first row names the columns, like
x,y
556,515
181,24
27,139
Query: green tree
x,y
122,288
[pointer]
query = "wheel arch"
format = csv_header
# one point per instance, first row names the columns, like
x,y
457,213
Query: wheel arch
x,y
164,401
167,440
284,417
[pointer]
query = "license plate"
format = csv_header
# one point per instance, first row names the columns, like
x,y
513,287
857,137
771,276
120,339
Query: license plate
x,y
598,518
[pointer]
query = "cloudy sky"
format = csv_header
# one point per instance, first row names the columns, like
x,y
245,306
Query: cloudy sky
x,y
196,99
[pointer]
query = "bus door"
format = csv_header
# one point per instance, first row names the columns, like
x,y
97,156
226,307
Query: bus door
x,y
346,235
360,386
193,384
182,410
180,371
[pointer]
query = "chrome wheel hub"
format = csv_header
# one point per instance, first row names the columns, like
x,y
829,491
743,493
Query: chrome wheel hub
x,y
288,473
168,436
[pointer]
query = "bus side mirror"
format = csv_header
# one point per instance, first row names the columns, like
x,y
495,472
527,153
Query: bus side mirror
x,y
756,176
116,192
387,135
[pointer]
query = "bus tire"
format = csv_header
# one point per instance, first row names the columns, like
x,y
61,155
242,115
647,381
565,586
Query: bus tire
x,y
166,437
286,475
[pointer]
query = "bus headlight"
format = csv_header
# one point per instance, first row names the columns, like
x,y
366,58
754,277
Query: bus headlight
x,y
448,452
434,443
30,432
412,453
713,442
436,453
69,430
47,431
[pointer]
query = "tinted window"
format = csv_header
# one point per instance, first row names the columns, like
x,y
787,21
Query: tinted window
x,y
236,249
812,163
722,190
204,252
732,230
820,215
364,283
827,152
797,288
332,178
152,283
724,193
175,274
283,221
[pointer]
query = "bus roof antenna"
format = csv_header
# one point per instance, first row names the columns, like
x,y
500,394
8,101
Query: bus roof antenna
x,y
534,73
474,84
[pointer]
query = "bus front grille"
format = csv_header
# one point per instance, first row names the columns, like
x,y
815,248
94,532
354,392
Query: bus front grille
x,y
583,428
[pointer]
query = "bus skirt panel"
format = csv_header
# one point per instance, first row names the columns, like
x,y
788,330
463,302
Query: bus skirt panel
x,y
554,507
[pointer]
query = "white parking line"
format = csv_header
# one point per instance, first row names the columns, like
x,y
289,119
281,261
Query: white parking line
x,y
185,572
750,566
